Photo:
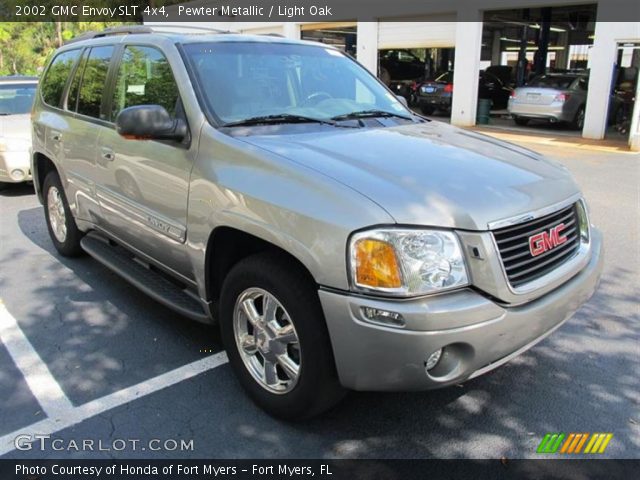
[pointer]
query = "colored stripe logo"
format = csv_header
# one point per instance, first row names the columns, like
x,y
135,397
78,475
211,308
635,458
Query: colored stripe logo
x,y
593,443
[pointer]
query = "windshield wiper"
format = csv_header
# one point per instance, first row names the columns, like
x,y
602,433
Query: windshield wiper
x,y
369,114
278,118
5,114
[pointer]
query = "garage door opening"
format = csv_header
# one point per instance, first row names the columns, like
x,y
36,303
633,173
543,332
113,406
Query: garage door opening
x,y
340,35
625,88
537,63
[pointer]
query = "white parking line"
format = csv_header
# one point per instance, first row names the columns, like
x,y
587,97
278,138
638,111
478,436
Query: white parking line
x,y
60,412
38,377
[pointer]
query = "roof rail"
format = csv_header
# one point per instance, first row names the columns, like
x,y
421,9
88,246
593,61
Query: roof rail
x,y
140,29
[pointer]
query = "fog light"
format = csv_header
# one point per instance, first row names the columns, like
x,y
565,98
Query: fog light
x,y
384,317
17,174
433,359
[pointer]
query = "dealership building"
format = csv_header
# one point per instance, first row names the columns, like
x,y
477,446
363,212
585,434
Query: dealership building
x,y
549,34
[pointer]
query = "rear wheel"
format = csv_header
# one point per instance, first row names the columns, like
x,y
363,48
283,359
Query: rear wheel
x,y
62,227
276,338
578,120
427,109
523,122
3,185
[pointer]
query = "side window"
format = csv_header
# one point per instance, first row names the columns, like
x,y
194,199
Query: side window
x,y
56,77
144,78
93,81
74,89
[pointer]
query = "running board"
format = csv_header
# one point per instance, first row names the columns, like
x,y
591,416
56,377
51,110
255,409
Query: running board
x,y
152,283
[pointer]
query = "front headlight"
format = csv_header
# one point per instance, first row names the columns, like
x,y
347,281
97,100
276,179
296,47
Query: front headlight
x,y
583,220
406,262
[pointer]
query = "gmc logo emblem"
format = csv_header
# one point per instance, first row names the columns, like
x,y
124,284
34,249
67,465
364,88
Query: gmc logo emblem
x,y
545,241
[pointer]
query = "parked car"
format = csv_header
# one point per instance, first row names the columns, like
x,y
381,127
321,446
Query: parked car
x,y
553,97
339,240
438,94
16,99
399,65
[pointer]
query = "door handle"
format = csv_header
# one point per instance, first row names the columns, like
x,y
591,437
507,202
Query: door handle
x,y
108,155
56,136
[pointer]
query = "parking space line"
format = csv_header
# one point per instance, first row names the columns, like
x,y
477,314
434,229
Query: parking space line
x,y
41,382
76,415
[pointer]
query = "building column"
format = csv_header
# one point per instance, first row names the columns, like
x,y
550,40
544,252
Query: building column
x,y
634,130
466,67
367,52
291,30
603,57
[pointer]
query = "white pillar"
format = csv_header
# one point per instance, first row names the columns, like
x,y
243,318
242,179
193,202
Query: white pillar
x,y
603,57
367,52
291,30
634,130
467,67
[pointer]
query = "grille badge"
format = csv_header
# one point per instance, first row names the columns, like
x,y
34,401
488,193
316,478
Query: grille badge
x,y
547,240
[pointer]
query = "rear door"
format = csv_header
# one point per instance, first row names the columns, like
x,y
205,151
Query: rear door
x,y
143,185
84,102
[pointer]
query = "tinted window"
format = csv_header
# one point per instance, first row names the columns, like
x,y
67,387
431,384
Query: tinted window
x,y
445,78
144,78
74,89
93,81
57,75
16,98
552,81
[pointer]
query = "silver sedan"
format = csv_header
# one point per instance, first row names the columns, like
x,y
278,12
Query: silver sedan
x,y
551,97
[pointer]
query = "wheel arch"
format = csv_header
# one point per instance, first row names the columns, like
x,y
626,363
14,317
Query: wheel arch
x,y
226,246
40,168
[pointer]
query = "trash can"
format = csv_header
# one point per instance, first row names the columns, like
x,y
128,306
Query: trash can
x,y
484,111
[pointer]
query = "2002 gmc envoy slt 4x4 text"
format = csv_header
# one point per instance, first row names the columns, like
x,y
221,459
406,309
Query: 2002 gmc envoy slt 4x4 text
x,y
278,188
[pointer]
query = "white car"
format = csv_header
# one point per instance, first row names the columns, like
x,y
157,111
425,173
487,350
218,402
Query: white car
x,y
16,99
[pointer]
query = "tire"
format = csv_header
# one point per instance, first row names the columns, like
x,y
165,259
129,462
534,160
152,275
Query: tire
x,y
427,109
62,227
578,120
3,186
523,122
315,388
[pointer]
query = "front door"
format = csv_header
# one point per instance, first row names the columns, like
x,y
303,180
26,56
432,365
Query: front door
x,y
144,184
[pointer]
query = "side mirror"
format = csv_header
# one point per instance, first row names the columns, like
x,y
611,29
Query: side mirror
x,y
150,122
402,100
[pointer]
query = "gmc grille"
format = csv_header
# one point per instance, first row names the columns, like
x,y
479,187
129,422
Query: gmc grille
x,y
513,244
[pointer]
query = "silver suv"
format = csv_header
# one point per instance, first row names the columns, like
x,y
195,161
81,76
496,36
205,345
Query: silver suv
x,y
279,189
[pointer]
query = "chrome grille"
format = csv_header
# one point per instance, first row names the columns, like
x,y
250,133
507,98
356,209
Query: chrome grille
x,y
513,244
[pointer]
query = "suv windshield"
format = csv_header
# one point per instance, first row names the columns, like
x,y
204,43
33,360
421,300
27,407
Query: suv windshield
x,y
16,98
251,80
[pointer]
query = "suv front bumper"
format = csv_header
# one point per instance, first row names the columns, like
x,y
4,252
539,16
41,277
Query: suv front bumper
x,y
476,333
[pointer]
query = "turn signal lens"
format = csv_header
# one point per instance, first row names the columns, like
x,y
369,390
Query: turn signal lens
x,y
376,264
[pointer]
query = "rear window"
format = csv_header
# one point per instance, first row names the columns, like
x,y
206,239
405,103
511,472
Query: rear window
x,y
446,77
57,75
548,81
16,98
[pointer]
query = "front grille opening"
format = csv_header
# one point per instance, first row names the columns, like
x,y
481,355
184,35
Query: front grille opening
x,y
520,265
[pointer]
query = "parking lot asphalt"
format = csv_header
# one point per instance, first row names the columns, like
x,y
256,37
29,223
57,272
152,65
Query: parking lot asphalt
x,y
130,370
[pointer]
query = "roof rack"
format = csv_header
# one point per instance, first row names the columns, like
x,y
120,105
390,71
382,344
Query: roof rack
x,y
141,29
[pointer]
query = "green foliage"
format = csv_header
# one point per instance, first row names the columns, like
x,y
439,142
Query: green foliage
x,y
25,46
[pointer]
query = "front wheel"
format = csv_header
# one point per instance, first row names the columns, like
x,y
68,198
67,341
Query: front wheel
x,y
523,122
276,338
63,230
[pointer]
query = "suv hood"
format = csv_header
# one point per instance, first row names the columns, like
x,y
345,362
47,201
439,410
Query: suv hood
x,y
430,174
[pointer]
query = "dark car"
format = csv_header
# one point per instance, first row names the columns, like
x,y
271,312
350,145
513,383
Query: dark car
x,y
396,65
437,94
